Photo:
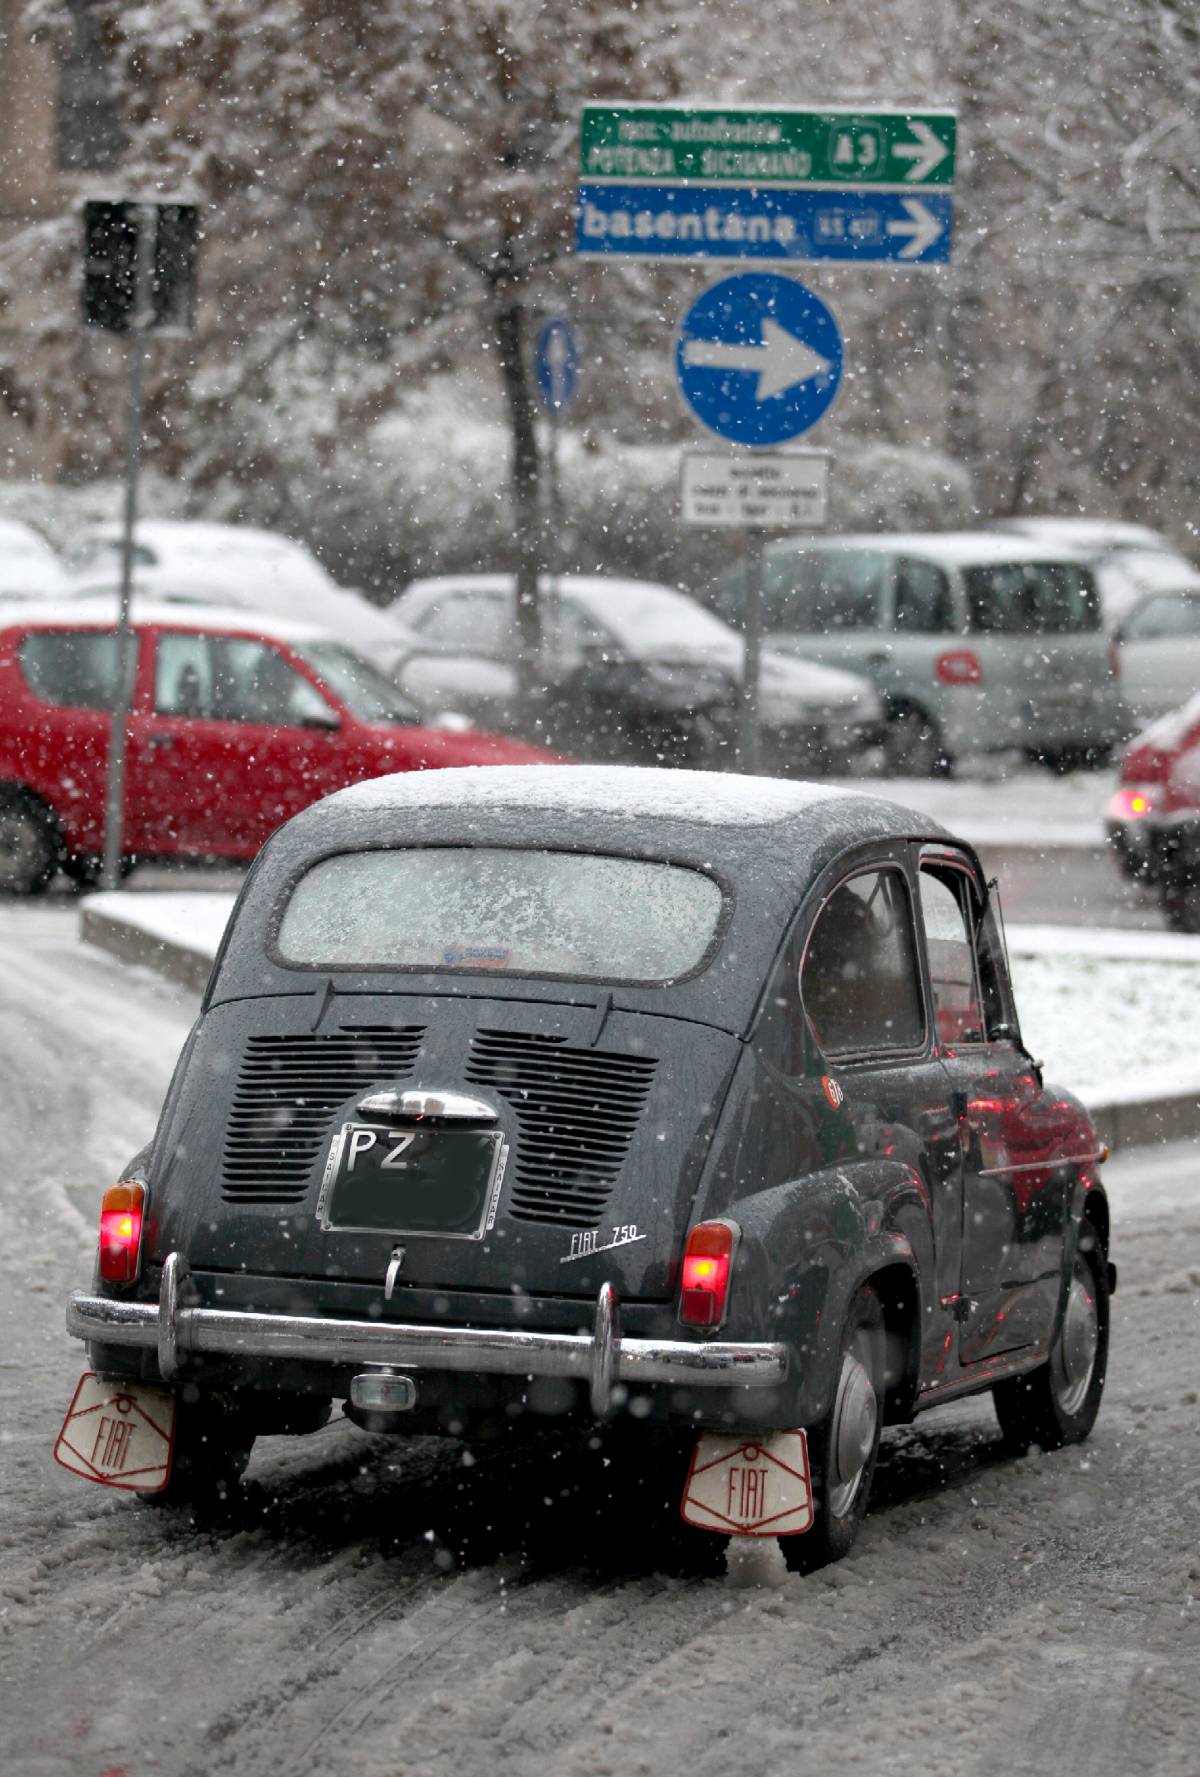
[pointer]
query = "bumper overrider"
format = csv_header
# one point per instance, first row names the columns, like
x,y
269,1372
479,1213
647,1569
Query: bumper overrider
x,y
602,1358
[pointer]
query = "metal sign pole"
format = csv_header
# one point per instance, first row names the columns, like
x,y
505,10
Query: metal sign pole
x,y
114,807
748,749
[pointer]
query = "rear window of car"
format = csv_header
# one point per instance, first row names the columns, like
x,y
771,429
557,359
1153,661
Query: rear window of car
x,y
75,668
521,912
1031,598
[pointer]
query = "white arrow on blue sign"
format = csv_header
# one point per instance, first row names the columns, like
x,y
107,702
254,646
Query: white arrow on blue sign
x,y
557,365
759,358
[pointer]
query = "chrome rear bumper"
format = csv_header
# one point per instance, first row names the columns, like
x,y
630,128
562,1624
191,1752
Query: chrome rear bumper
x,y
602,1358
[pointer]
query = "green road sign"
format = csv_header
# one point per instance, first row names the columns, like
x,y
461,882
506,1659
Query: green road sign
x,y
768,145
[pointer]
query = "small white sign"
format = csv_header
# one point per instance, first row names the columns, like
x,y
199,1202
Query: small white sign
x,y
780,491
121,1434
750,1486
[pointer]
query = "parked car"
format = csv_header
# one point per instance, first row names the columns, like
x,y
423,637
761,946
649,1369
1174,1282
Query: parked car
x,y
1159,643
684,1101
975,642
634,670
235,726
1153,816
29,567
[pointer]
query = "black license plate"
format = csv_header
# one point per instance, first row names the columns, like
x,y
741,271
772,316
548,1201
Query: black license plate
x,y
380,1179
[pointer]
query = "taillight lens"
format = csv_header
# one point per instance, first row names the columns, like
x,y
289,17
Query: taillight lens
x,y
707,1269
122,1211
1133,802
958,666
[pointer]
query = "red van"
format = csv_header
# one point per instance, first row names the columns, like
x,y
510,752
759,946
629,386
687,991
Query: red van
x,y
235,725
1153,818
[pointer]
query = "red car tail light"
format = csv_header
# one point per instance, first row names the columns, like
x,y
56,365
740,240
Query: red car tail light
x,y
707,1269
122,1212
958,666
1133,802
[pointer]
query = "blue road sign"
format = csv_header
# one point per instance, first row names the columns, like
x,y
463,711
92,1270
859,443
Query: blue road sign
x,y
764,222
759,358
557,365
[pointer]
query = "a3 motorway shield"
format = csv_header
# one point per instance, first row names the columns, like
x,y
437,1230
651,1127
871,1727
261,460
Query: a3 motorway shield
x,y
759,358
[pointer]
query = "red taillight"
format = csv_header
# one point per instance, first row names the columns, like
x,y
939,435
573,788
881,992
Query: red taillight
x,y
1133,802
121,1213
958,666
707,1266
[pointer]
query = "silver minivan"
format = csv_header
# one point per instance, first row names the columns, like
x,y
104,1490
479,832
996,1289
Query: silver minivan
x,y
977,642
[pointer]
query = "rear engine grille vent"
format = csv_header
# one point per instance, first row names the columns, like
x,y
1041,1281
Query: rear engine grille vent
x,y
286,1091
576,1109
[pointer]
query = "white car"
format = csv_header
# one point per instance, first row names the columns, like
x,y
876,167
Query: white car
x,y
209,553
378,634
1159,648
810,714
29,568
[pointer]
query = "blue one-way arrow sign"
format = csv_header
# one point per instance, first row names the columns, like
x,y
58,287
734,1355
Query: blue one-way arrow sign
x,y
764,222
759,358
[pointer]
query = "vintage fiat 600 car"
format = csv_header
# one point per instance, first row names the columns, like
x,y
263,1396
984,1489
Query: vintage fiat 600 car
x,y
692,1101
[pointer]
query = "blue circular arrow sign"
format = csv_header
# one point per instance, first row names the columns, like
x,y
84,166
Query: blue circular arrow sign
x,y
759,358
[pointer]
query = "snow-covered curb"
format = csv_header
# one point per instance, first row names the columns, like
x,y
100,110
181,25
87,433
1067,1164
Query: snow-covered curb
x,y
1134,1058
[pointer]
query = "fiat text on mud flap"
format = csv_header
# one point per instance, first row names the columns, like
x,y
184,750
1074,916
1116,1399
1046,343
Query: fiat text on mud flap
x,y
738,1148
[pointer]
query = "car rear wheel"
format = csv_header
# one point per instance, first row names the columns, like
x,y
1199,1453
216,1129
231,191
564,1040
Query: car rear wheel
x,y
29,850
212,1447
912,744
1057,1403
843,1449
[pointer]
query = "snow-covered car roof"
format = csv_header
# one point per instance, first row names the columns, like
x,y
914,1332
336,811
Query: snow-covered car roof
x,y
186,545
335,609
951,549
764,839
29,567
1095,536
98,612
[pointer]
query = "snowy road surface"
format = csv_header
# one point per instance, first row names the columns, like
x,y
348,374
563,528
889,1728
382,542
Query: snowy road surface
x,y
376,1607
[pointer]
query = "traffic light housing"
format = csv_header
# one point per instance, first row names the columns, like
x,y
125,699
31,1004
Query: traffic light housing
x,y
111,248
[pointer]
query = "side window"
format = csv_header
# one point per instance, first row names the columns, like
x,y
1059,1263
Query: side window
x,y
1171,614
998,600
254,683
1063,598
858,979
849,589
183,677
77,668
233,679
923,603
947,913
478,623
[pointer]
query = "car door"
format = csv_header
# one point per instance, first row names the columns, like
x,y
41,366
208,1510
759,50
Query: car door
x,y
1160,654
234,742
861,990
1013,1130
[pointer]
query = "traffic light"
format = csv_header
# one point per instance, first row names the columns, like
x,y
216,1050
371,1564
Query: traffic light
x,y
111,247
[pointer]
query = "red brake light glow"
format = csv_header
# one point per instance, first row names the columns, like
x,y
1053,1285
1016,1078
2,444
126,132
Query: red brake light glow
x,y
121,1214
958,666
1133,802
707,1267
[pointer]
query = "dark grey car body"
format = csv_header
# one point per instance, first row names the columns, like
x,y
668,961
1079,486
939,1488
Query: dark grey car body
x,y
946,1175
